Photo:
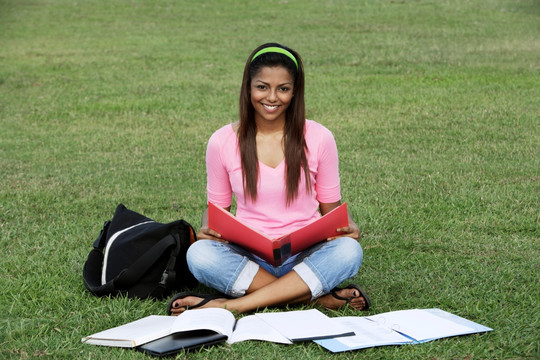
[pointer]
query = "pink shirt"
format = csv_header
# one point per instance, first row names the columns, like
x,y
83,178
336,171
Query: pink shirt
x,y
270,213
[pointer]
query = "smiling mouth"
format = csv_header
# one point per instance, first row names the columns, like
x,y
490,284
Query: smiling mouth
x,y
270,107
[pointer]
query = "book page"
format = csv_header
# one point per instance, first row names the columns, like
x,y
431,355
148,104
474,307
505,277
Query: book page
x,y
366,334
304,325
134,333
215,319
252,327
420,325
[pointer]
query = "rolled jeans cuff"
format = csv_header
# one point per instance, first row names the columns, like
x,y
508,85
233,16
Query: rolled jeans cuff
x,y
311,280
244,279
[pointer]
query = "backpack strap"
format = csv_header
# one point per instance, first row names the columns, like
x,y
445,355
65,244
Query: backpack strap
x,y
184,236
128,277
131,275
99,243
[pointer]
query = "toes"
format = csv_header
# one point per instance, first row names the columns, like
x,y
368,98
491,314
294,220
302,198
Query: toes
x,y
359,303
351,294
357,300
184,303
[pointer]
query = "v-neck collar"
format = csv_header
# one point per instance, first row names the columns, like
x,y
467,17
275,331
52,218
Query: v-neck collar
x,y
279,166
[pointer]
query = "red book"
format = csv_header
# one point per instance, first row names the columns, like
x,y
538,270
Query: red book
x,y
276,251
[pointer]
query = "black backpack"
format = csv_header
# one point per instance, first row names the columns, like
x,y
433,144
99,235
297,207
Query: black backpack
x,y
138,257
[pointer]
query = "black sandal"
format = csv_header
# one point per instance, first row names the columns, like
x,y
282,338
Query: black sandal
x,y
348,300
205,299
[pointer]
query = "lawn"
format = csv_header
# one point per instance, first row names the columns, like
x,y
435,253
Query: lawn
x,y
434,106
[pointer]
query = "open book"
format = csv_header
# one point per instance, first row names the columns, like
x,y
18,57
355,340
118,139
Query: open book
x,y
400,327
276,251
207,326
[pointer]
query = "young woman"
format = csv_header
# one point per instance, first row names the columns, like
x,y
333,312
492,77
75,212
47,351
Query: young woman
x,y
283,170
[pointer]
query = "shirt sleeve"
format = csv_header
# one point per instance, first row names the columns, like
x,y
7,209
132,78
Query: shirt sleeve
x,y
218,186
327,183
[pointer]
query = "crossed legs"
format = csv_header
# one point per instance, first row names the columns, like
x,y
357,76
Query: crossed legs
x,y
267,290
220,266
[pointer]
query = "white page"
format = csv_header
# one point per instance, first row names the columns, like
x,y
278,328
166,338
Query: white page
x,y
304,324
420,324
134,333
254,328
458,319
216,319
369,333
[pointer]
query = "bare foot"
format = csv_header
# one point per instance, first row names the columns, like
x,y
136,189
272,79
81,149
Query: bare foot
x,y
330,302
196,302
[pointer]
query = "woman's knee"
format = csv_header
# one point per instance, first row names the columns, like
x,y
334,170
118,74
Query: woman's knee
x,y
202,255
350,252
215,264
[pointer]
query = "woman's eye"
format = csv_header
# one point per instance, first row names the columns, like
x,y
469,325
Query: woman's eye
x,y
285,89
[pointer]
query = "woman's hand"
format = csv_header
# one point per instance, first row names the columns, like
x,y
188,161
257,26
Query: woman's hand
x,y
209,234
206,233
351,231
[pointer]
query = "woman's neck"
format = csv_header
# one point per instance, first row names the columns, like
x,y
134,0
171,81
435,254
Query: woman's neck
x,y
270,127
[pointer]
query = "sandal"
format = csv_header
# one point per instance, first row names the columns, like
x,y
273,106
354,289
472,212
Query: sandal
x,y
348,300
205,299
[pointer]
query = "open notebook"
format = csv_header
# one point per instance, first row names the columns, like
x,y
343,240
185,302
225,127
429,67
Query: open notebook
x,y
400,327
195,328
276,251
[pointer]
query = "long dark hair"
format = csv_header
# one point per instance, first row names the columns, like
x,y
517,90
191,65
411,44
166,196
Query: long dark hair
x,y
293,135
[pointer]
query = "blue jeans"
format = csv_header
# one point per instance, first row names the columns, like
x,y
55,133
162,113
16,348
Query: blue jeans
x,y
230,269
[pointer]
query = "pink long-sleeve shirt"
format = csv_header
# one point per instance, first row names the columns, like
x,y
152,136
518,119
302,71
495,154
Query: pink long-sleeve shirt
x,y
270,213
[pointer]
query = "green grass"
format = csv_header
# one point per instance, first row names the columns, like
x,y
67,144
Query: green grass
x,y
434,105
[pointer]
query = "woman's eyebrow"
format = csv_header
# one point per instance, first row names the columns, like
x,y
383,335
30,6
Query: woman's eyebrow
x,y
265,83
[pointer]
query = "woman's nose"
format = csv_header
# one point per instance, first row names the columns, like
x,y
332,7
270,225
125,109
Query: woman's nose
x,y
272,95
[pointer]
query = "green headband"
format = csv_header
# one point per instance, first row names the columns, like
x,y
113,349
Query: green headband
x,y
276,49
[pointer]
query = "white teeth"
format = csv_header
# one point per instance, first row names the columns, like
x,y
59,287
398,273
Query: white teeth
x,y
270,107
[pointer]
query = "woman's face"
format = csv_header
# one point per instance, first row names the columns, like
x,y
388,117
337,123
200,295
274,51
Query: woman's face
x,y
272,91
